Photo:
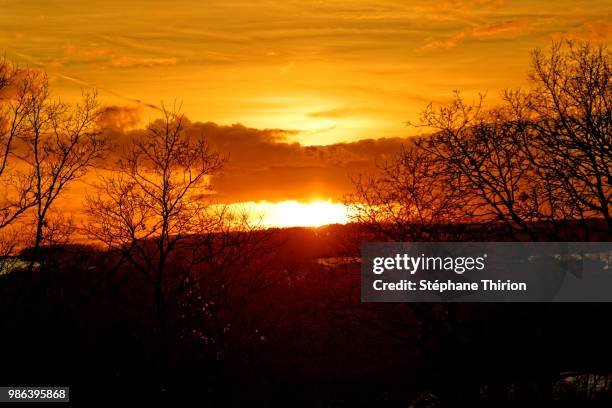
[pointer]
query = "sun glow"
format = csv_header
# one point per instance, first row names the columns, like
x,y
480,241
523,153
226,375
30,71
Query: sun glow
x,y
298,214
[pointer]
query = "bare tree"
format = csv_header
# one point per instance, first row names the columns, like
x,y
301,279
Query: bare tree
x,y
525,169
567,124
470,171
17,90
58,144
477,149
410,200
155,212
45,146
7,134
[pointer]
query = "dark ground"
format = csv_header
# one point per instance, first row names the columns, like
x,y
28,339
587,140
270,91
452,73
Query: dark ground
x,y
304,341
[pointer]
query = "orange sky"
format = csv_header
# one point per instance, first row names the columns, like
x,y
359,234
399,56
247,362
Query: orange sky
x,y
319,72
332,70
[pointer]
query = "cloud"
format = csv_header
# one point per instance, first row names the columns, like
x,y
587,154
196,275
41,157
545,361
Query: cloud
x,y
117,59
123,61
286,68
346,112
263,165
509,28
444,43
497,30
120,117
599,30
279,171
450,10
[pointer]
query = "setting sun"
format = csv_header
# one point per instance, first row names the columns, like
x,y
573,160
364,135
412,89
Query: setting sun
x,y
297,214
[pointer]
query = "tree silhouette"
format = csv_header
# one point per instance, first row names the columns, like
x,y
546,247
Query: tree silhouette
x,y
480,159
60,144
47,145
155,211
409,201
16,96
525,169
566,124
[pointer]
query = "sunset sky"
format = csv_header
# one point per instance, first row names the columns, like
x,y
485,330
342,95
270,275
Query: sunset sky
x,y
260,75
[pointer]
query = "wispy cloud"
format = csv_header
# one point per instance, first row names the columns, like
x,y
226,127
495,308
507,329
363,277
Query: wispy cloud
x,y
286,68
117,59
223,58
444,43
507,29
598,30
